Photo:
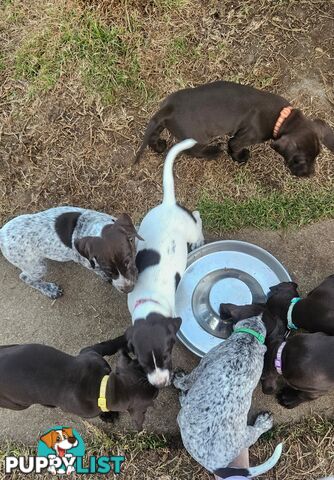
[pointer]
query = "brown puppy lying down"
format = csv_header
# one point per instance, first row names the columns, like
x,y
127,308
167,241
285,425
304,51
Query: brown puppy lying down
x,y
84,385
247,115
304,361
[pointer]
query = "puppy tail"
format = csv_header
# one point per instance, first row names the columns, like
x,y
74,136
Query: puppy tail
x,y
252,471
168,178
153,126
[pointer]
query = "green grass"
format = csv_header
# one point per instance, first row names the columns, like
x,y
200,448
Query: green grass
x,y
169,4
105,56
268,211
98,442
309,426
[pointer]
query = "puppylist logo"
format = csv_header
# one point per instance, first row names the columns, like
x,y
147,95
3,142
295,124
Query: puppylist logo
x,y
61,451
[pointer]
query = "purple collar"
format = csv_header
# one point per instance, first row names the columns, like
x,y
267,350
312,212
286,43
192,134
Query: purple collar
x,y
278,359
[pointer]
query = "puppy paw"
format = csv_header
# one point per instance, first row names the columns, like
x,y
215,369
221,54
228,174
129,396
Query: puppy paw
x,y
211,152
197,244
178,377
160,146
52,290
179,373
264,421
109,417
242,156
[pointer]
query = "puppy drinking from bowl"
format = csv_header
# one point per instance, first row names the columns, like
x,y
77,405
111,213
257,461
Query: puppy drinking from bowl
x,y
247,115
215,400
161,260
302,362
93,239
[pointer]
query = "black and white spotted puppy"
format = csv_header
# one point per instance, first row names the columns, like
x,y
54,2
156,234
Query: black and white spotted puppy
x,y
215,400
96,240
161,260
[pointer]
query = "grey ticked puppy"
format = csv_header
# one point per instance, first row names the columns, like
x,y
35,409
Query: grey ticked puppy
x,y
216,398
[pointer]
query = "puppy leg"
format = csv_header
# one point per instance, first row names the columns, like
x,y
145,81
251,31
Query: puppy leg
x,y
156,143
263,423
210,152
108,348
236,145
183,382
290,398
198,234
32,275
109,417
182,397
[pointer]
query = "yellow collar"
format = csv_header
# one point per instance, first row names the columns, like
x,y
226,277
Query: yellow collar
x,y
102,400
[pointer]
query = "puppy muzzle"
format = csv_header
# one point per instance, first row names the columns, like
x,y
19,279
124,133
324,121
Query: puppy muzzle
x,y
159,378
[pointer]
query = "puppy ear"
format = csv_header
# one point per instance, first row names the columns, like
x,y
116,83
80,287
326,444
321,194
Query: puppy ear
x,y
325,133
124,360
85,247
239,312
125,222
48,439
174,324
279,286
225,311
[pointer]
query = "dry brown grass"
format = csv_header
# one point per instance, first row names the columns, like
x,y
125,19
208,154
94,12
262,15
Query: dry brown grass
x,y
308,453
66,139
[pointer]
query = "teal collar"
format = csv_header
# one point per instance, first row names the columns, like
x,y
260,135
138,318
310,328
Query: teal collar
x,y
291,325
255,334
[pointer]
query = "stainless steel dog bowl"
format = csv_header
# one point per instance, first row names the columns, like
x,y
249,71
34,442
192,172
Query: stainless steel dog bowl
x,y
228,271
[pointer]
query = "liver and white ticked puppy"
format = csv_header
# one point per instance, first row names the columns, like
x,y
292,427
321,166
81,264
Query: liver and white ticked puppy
x,y
93,239
161,260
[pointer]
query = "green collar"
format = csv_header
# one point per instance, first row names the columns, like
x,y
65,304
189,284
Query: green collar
x,y
255,334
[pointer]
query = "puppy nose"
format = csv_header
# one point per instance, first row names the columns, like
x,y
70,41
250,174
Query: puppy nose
x,y
127,288
72,439
268,390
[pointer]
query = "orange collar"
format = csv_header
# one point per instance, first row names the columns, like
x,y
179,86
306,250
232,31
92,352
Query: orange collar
x,y
284,113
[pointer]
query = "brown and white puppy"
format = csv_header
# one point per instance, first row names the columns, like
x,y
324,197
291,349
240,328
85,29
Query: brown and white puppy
x,y
96,240
39,374
247,115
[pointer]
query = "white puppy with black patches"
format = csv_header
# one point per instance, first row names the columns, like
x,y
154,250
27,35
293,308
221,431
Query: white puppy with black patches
x,y
161,260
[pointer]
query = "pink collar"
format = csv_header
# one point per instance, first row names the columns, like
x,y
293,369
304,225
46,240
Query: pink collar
x,y
144,300
278,359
